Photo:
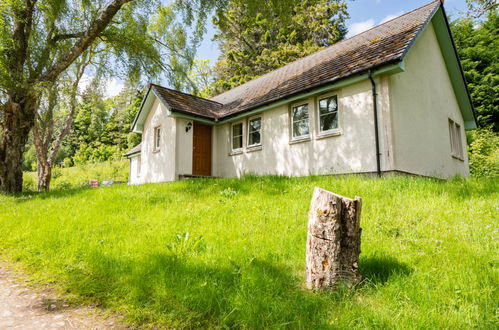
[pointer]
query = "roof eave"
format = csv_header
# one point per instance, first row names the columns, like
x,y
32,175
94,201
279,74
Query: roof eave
x,y
455,69
147,102
391,67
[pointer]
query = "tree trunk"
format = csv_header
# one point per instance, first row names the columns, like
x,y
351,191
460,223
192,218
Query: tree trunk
x,y
333,241
17,123
44,176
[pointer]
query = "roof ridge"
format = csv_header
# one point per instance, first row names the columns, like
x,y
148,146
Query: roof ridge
x,y
191,95
328,47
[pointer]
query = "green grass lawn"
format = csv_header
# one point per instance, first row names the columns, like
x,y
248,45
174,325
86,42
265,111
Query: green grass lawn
x,y
231,253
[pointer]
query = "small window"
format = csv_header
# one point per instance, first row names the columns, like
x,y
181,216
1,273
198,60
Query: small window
x,y
328,114
255,132
157,138
456,145
300,124
237,136
139,165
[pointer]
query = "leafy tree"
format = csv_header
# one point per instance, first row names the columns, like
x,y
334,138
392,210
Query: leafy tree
x,y
478,8
477,44
101,129
255,41
46,140
39,40
202,77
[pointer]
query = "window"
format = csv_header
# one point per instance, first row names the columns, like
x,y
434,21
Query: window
x,y
300,126
456,145
139,164
157,138
328,114
237,136
255,132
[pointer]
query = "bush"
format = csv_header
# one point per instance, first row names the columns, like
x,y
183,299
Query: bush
x,y
484,152
29,181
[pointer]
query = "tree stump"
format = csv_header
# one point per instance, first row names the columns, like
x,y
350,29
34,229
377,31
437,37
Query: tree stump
x,y
333,241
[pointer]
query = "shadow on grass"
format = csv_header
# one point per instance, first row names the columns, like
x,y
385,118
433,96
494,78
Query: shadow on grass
x,y
177,292
30,195
379,269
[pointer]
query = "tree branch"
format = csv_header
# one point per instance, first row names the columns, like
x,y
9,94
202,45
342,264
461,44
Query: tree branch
x,y
69,118
64,36
93,31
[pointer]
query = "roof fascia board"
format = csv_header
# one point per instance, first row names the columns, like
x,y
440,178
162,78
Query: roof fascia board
x,y
147,103
387,69
453,64
134,124
177,114
132,154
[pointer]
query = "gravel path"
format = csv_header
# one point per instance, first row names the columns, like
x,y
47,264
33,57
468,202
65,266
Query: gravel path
x,y
24,308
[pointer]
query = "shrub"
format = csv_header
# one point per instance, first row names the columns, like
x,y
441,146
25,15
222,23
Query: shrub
x,y
484,153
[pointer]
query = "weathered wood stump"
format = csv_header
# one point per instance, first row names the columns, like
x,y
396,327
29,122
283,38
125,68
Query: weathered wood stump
x,y
333,242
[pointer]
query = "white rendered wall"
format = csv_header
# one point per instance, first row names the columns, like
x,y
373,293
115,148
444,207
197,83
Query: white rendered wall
x,y
422,100
352,151
184,146
132,177
158,166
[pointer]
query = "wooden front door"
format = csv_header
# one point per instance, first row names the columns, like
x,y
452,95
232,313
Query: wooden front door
x,y
201,150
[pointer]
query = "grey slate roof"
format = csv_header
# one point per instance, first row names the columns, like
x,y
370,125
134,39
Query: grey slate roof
x,y
382,45
135,150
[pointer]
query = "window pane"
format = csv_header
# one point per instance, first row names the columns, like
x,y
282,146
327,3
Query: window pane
x,y
328,105
300,128
254,138
255,124
157,135
459,144
300,112
237,142
237,136
237,129
329,121
300,120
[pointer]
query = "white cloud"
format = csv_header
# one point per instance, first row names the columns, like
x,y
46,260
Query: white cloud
x,y
390,17
113,87
359,27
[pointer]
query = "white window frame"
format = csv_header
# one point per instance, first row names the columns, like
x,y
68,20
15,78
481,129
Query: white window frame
x,y
240,149
303,137
254,145
332,131
456,140
157,139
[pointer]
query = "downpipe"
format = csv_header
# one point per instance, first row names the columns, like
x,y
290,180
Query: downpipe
x,y
376,130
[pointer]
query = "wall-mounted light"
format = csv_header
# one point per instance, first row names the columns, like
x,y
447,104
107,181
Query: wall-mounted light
x,y
188,127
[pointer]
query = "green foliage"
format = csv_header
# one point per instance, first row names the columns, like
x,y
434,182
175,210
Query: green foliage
x,y
101,129
477,43
424,267
484,153
256,40
29,159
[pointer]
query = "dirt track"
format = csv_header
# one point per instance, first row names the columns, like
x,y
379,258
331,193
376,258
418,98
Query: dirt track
x,y
24,308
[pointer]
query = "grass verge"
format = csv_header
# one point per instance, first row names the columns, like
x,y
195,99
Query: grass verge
x,y
231,253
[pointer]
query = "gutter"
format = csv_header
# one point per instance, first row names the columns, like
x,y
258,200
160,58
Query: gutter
x,y
376,130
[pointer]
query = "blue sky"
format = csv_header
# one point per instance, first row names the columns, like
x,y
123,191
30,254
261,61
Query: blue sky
x,y
364,14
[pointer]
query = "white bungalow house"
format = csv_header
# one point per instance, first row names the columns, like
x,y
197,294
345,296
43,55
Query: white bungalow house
x,y
392,99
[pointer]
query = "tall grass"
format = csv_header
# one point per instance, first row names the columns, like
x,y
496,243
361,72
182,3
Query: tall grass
x,y
78,176
231,253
